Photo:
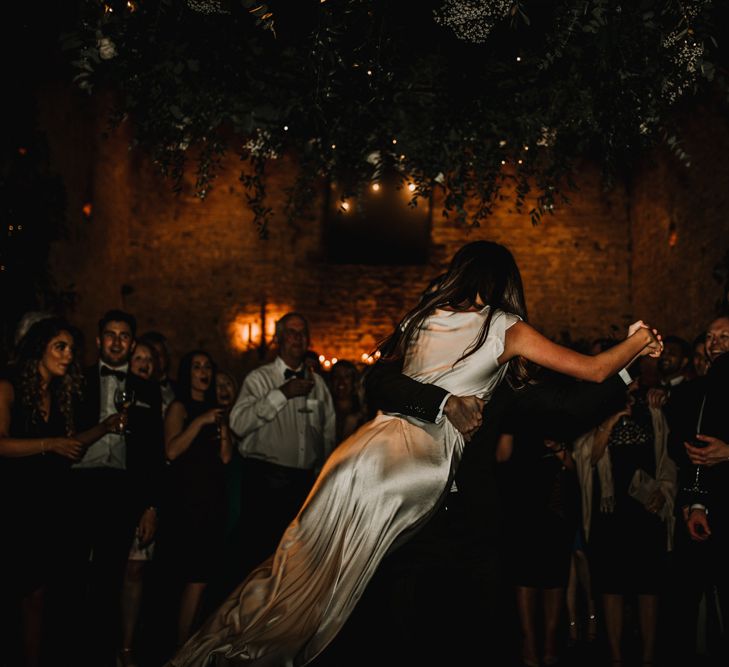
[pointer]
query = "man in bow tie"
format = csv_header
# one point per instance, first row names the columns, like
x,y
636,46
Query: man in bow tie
x,y
284,418
114,491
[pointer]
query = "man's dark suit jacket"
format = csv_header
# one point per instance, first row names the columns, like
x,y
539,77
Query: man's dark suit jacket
x,y
682,412
145,441
563,408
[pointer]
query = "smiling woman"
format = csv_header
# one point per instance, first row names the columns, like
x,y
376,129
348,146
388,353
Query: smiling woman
x,y
36,451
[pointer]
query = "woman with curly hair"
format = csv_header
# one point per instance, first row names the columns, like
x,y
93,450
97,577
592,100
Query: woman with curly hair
x,y
37,403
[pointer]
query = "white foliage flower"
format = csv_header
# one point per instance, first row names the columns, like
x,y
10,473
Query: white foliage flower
x,y
473,20
107,48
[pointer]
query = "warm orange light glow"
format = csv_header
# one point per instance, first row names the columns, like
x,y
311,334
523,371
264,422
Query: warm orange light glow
x,y
321,358
327,364
245,330
673,239
87,208
411,187
346,205
364,356
334,360
375,187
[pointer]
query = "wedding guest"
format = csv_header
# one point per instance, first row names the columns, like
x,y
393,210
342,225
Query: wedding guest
x,y
348,396
699,361
114,490
143,363
699,436
628,484
198,447
37,447
285,420
167,386
541,496
226,387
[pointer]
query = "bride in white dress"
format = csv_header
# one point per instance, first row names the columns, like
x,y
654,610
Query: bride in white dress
x,y
382,482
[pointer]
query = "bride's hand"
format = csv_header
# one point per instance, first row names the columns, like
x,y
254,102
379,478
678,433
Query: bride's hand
x,y
635,326
654,346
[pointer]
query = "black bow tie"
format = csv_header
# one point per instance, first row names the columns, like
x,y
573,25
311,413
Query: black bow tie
x,y
288,373
119,375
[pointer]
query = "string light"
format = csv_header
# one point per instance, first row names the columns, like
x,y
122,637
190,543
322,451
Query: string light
x,y
394,141
286,128
86,209
346,205
411,187
334,146
375,187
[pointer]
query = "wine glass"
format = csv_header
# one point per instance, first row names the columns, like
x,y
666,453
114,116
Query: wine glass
x,y
308,375
696,489
123,400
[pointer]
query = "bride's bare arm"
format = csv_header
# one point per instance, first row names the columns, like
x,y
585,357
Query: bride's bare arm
x,y
523,340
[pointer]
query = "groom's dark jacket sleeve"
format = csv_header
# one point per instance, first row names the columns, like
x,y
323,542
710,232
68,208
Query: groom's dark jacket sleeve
x,y
564,408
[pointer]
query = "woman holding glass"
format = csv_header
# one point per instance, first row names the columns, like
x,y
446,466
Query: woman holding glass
x,y
198,446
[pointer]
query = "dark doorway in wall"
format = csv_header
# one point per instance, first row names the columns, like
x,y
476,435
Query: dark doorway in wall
x,y
377,226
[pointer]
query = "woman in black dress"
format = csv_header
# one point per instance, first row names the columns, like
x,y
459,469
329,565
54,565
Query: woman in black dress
x,y
198,446
629,499
37,402
542,510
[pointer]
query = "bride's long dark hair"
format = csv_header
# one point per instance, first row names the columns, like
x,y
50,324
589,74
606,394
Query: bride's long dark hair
x,y
479,270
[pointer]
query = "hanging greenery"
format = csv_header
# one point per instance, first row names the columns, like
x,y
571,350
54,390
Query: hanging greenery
x,y
467,95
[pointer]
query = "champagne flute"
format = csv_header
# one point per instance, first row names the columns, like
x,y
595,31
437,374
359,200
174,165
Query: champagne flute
x,y
696,488
123,400
308,375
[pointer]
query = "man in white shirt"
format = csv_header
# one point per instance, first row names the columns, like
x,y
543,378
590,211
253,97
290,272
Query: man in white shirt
x,y
284,418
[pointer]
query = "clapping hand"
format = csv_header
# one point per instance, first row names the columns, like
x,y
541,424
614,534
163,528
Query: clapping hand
x,y
465,413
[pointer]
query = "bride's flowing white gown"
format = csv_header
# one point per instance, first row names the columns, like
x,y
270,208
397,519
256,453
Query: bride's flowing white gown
x,y
376,486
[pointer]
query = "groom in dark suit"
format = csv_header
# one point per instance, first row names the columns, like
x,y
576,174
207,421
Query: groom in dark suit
x,y
442,597
114,491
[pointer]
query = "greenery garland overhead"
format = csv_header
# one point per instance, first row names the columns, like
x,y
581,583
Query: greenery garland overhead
x,y
467,95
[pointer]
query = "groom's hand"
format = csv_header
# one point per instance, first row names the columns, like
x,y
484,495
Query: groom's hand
x,y
465,413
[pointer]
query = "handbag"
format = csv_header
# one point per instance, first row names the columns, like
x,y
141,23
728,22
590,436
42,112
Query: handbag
x,y
642,486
